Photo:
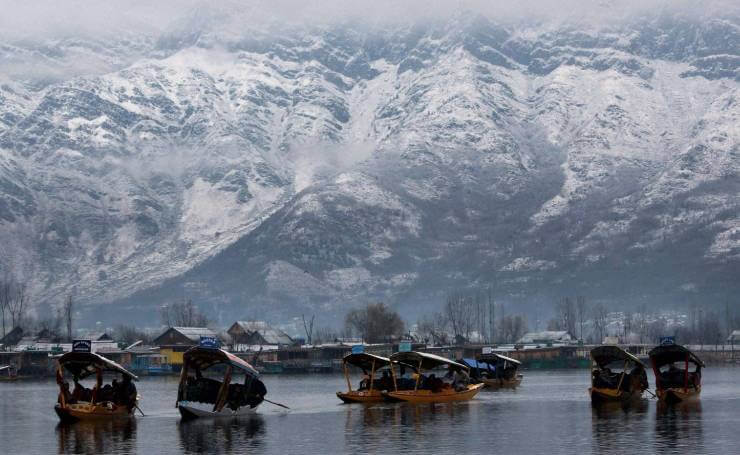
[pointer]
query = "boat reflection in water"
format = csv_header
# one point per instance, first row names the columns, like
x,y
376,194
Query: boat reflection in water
x,y
679,428
97,436
611,420
414,428
221,435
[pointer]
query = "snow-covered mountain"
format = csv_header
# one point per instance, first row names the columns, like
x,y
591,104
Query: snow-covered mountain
x,y
280,167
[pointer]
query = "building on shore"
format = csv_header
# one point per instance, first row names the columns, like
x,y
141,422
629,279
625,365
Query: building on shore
x,y
253,335
547,338
11,339
176,340
734,338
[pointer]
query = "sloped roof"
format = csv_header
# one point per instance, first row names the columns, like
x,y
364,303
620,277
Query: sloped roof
x,y
194,333
734,336
549,335
270,334
191,333
12,337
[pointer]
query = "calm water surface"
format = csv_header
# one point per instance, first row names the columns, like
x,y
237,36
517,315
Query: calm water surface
x,y
550,413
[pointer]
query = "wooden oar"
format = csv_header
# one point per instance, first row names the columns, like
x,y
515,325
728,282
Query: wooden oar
x,y
276,404
142,412
651,393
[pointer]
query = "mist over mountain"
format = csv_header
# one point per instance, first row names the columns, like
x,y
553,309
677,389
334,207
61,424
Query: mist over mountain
x,y
267,164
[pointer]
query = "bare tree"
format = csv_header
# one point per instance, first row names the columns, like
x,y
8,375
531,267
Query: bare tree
x,y
17,303
566,315
130,334
582,310
308,328
68,315
182,314
376,322
433,328
5,293
599,318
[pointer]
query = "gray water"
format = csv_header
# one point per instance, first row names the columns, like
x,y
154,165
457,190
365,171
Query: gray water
x,y
550,413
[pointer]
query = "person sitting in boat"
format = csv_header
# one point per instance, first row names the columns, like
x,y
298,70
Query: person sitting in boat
x,y
386,382
127,393
365,382
80,393
66,394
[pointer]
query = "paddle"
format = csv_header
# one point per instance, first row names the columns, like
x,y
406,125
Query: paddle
x,y
276,404
651,393
142,412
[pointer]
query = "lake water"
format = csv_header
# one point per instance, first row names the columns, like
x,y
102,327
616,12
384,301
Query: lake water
x,y
550,413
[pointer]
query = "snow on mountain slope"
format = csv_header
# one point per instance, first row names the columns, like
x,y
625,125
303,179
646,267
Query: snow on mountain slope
x,y
315,165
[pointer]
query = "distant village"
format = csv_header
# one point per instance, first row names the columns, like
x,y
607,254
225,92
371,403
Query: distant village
x,y
465,325
271,350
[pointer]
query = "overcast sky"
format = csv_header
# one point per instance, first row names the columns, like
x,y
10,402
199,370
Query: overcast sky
x,y
41,18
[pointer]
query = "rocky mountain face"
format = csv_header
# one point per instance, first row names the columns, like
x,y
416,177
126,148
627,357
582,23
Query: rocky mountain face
x,y
282,169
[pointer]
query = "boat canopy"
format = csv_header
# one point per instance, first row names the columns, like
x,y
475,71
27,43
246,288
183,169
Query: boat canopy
x,y
428,361
203,358
604,355
478,364
365,361
84,364
493,358
663,355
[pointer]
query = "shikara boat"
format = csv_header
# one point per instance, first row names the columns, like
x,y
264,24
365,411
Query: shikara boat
x,y
114,400
429,388
616,375
8,373
677,373
499,371
370,390
237,393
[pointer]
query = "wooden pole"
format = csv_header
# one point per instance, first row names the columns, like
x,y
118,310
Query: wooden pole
x,y
686,374
393,375
223,391
418,376
372,376
346,376
621,378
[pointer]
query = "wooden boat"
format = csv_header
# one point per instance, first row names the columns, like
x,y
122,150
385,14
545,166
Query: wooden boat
x,y
8,373
115,400
675,381
429,389
497,371
370,390
608,383
201,396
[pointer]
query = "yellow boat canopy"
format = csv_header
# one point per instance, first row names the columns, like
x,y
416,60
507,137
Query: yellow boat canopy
x,y
425,360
